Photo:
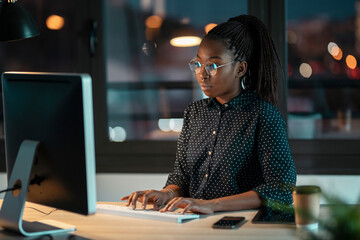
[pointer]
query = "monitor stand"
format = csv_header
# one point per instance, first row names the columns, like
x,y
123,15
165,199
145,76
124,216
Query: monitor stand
x,y
12,209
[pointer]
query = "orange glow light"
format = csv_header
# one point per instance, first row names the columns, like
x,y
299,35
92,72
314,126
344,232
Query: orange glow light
x,y
339,53
185,41
209,27
55,22
153,21
351,61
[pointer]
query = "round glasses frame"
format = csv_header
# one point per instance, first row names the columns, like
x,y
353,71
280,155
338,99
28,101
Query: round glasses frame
x,y
210,68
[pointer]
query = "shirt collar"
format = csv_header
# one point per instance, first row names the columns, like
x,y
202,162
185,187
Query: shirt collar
x,y
238,102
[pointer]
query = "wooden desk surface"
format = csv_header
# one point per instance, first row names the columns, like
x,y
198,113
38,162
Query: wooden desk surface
x,y
101,226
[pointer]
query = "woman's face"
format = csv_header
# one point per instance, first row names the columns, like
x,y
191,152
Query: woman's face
x,y
225,84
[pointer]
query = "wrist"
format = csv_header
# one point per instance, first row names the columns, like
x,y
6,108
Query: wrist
x,y
169,192
214,205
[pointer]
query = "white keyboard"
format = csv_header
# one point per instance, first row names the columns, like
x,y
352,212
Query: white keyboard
x,y
144,213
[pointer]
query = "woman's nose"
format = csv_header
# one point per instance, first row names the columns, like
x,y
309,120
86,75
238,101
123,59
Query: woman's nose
x,y
203,72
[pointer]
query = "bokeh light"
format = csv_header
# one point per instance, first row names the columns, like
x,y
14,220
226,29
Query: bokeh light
x,y
339,55
291,37
351,61
305,70
117,134
173,124
164,125
153,21
330,47
55,22
335,51
185,41
185,21
176,124
209,26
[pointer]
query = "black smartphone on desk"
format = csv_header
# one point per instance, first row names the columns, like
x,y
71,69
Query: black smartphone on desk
x,y
228,222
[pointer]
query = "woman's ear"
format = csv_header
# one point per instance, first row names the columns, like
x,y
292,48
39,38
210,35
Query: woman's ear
x,y
240,68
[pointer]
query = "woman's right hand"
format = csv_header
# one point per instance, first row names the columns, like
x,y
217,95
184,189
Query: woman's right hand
x,y
157,198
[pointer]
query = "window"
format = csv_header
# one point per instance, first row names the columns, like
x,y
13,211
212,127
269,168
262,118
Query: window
x,y
135,97
149,83
324,85
324,79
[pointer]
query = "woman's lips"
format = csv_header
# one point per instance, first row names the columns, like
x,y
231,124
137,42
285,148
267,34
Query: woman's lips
x,y
205,87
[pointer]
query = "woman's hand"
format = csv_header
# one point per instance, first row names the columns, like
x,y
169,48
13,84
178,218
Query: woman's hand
x,y
190,204
157,198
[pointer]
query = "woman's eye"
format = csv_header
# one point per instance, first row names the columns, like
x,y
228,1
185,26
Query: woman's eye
x,y
212,66
197,64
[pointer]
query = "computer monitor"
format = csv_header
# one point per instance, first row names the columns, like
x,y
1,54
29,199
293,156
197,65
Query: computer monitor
x,y
49,143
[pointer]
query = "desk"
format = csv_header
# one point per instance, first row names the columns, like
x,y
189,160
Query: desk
x,y
103,227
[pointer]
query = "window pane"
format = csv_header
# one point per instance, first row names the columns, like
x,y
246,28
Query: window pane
x,y
148,78
324,77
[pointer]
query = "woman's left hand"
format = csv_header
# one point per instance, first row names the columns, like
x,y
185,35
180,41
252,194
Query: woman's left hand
x,y
189,204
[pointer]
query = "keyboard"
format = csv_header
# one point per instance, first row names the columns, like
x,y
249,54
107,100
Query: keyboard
x,y
144,213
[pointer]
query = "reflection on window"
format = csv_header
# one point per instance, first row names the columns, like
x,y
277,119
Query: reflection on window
x,y
324,76
148,45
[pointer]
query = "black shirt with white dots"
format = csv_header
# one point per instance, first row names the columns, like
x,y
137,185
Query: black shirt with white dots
x,y
233,148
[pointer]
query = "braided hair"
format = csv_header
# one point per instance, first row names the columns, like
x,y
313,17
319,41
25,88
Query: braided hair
x,y
249,40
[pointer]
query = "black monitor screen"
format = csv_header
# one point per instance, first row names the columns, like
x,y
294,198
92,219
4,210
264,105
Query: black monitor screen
x,y
56,110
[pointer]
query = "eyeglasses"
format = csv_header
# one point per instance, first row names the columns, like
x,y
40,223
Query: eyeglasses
x,y
210,68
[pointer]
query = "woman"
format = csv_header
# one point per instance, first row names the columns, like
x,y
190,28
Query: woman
x,y
233,152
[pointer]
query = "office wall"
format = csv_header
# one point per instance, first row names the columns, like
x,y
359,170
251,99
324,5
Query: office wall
x,y
111,187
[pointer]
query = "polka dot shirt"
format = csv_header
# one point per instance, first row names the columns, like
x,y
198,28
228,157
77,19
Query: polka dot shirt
x,y
234,148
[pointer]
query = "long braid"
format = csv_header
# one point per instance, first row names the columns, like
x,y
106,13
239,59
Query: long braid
x,y
249,40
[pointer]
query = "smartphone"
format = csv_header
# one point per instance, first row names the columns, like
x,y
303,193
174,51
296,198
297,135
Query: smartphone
x,y
229,222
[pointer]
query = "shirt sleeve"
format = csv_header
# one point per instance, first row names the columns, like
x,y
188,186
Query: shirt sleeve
x,y
277,165
180,175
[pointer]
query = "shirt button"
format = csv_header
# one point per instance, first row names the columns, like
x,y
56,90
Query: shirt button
x,y
220,113
209,152
214,132
226,105
206,175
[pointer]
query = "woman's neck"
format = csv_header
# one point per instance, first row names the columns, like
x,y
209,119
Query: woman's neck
x,y
223,100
